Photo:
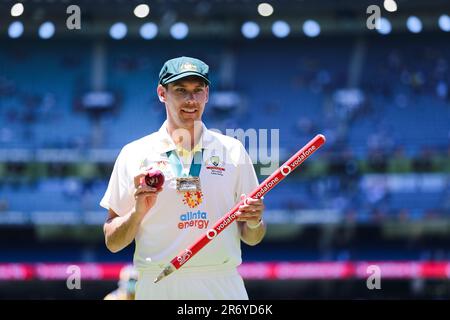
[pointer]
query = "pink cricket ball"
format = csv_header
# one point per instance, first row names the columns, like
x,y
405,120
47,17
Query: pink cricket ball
x,y
154,178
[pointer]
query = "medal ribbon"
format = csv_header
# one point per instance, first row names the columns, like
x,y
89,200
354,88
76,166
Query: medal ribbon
x,y
177,167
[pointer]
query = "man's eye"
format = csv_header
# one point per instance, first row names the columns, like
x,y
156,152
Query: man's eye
x,y
181,90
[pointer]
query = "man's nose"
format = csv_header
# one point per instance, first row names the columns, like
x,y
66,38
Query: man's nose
x,y
190,96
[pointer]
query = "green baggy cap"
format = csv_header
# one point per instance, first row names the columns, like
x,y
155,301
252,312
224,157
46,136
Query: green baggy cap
x,y
175,69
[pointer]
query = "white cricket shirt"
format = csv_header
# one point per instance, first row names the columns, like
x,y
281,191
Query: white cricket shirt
x,y
178,219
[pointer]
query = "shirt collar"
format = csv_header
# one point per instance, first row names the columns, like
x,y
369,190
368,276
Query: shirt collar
x,y
167,144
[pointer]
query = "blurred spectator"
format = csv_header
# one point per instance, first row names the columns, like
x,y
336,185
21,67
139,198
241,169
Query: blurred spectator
x,y
88,172
442,90
399,163
4,205
378,215
417,82
58,169
3,173
376,160
423,163
351,216
71,188
293,204
446,161
305,126
35,171
126,285
48,104
403,215
431,214
440,161
318,167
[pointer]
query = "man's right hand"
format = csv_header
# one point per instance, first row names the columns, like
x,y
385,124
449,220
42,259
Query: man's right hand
x,y
145,196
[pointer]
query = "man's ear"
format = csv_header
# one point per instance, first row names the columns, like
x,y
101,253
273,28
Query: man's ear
x,y
161,91
207,94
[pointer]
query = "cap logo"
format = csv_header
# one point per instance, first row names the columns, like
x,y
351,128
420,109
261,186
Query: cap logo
x,y
188,67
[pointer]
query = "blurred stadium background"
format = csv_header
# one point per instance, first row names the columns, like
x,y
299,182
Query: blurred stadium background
x,y
377,193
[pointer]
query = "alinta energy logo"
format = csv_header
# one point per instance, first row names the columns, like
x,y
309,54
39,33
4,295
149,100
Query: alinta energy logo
x,y
198,219
374,20
192,198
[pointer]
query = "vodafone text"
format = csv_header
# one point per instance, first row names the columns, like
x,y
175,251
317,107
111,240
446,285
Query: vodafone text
x,y
302,157
266,187
212,233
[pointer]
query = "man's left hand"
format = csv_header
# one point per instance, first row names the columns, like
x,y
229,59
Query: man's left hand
x,y
251,211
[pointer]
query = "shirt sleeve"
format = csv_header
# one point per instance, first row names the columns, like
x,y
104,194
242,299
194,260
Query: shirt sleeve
x,y
247,180
119,195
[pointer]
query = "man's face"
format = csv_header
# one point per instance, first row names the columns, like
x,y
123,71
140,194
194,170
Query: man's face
x,y
185,101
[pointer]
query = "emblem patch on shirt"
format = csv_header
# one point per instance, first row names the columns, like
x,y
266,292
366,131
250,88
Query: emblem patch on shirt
x,y
213,164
